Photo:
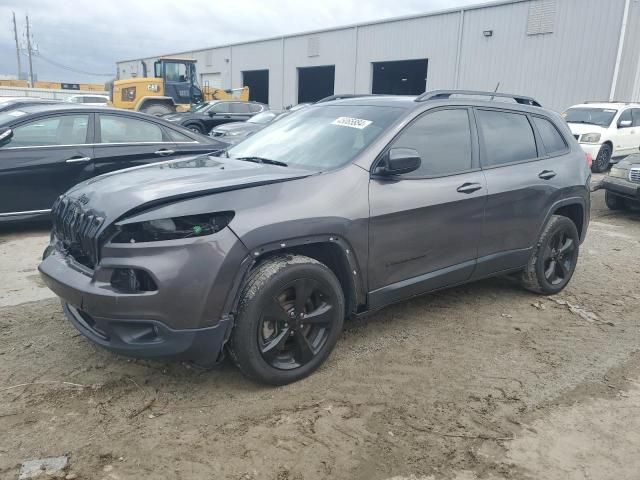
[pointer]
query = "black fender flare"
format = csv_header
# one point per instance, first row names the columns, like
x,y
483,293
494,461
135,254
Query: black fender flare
x,y
256,254
564,202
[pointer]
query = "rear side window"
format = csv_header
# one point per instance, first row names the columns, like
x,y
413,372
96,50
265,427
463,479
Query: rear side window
x,y
222,107
507,138
239,108
551,138
117,129
443,140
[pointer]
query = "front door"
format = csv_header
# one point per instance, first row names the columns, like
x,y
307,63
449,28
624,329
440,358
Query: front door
x,y
425,225
628,137
45,157
124,141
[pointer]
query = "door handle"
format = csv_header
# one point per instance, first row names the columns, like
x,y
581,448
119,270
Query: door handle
x,y
547,174
164,152
78,159
469,187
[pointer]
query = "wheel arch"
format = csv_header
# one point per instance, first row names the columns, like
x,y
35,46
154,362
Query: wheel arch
x,y
575,209
331,250
149,100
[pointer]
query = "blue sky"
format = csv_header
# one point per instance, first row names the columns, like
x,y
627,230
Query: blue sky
x,y
91,36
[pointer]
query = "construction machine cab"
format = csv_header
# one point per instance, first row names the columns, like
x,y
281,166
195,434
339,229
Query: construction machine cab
x,y
180,79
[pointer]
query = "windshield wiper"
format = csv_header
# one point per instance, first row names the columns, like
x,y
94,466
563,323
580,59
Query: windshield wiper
x,y
262,160
582,121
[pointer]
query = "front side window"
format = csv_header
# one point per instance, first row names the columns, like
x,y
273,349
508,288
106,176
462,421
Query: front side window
x,y
507,138
551,138
319,137
62,130
625,117
443,140
591,116
636,117
117,129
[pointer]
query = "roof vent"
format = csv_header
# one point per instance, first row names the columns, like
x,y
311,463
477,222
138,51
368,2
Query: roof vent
x,y
541,18
313,47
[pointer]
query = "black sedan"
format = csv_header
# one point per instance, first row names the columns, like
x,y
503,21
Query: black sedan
x,y
235,132
47,149
205,116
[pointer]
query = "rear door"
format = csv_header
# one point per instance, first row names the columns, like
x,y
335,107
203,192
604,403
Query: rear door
x,y
124,141
523,181
425,225
45,157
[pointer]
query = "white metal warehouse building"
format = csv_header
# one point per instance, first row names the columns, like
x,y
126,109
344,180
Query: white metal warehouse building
x,y
561,52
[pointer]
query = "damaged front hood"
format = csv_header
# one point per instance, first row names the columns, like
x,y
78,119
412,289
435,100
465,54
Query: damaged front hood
x,y
115,194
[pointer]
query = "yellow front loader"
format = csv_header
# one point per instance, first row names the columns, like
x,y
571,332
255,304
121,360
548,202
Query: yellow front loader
x,y
173,88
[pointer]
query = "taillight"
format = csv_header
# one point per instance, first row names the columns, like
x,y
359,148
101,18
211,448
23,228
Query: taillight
x,y
589,158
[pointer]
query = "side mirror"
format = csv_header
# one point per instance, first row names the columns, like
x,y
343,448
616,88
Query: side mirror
x,y
624,123
6,134
211,113
398,161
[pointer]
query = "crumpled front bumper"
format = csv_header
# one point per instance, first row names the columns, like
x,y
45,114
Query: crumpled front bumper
x,y
184,316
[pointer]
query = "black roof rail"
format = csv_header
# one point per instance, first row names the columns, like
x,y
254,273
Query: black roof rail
x,y
624,102
443,94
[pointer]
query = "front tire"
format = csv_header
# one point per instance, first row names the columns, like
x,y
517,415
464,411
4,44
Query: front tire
x,y
614,202
554,259
289,319
157,109
194,127
602,160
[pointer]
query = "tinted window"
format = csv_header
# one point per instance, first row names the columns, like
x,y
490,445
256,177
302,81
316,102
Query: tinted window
x,y
222,107
508,137
625,117
116,129
636,117
443,140
62,130
179,137
551,138
255,107
239,108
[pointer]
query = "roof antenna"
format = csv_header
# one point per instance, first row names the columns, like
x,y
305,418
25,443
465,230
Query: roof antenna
x,y
496,89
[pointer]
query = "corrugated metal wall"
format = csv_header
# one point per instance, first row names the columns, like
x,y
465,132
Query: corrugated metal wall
x,y
572,63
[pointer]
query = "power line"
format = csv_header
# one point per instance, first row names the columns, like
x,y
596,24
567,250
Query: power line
x,y
71,69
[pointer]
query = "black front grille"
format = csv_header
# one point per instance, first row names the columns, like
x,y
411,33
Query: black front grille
x,y
77,229
577,137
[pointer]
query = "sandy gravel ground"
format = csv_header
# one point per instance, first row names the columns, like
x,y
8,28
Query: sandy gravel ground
x,y
484,381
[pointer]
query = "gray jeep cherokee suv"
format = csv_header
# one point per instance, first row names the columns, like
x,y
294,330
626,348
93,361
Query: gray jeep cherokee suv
x,y
338,210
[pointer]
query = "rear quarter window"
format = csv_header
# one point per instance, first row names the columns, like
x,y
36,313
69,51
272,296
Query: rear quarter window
x,y
552,140
507,138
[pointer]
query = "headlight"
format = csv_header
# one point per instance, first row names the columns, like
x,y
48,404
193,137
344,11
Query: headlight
x,y
233,134
590,138
173,228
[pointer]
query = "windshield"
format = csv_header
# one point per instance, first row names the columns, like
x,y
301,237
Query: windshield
x,y
319,137
593,116
262,118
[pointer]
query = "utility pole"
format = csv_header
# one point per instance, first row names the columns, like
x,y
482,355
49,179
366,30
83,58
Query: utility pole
x,y
15,35
30,52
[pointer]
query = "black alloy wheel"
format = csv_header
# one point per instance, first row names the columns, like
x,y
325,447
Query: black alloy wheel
x,y
559,258
296,324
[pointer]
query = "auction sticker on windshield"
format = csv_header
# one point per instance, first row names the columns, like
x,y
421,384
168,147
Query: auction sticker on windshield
x,y
351,122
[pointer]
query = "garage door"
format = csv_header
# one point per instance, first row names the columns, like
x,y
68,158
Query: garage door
x,y
214,80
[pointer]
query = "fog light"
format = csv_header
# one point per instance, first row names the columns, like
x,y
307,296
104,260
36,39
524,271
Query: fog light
x,y
131,280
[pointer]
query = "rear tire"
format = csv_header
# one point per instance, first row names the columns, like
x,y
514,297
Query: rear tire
x,y
602,160
614,202
157,109
289,319
554,258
